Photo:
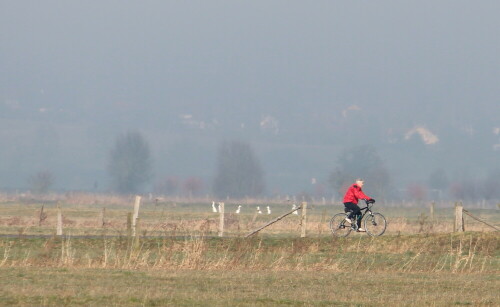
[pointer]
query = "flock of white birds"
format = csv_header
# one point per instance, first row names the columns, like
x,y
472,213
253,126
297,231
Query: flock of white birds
x,y
216,209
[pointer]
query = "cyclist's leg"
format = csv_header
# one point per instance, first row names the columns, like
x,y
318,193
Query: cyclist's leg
x,y
355,210
358,219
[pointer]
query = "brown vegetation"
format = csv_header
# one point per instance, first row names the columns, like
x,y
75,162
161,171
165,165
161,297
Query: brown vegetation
x,y
176,259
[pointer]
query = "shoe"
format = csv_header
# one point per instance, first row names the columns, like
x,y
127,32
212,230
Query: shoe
x,y
361,230
348,220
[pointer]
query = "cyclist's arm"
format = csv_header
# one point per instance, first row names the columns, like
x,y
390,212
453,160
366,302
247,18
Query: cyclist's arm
x,y
361,195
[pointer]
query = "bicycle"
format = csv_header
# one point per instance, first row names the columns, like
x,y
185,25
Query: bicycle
x,y
375,223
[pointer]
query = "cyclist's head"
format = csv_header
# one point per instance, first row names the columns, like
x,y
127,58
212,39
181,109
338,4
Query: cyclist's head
x,y
359,182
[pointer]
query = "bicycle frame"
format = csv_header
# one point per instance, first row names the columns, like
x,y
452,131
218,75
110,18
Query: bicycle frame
x,y
366,210
339,222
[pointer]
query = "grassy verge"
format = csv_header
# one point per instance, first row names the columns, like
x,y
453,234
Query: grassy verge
x,y
413,270
456,253
97,287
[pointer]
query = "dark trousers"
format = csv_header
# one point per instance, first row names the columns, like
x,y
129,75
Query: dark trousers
x,y
355,211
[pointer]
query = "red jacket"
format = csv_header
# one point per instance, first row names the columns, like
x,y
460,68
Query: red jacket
x,y
353,194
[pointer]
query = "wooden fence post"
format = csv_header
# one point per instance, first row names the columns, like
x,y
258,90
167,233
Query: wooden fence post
x,y
138,233
59,230
42,216
432,212
303,220
103,217
129,224
221,219
137,204
459,218
455,221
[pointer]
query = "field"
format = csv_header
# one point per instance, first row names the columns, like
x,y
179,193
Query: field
x,y
83,216
93,287
178,260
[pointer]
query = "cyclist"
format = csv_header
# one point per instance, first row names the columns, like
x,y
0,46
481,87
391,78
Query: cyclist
x,y
353,194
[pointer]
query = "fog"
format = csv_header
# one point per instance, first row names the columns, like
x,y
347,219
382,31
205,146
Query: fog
x,y
299,81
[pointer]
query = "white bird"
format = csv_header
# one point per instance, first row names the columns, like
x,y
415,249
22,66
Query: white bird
x,y
238,210
213,207
258,210
268,210
293,208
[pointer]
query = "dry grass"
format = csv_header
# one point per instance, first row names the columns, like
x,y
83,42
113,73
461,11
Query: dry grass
x,y
93,287
438,269
472,253
417,262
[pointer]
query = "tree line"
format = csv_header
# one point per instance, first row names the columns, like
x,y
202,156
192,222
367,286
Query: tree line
x,y
239,174
238,171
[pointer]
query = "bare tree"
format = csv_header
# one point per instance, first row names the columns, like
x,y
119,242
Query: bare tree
x,y
239,173
417,192
168,185
361,162
490,189
438,179
193,186
41,182
130,163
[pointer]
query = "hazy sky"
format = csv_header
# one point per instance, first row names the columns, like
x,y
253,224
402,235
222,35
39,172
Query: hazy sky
x,y
298,80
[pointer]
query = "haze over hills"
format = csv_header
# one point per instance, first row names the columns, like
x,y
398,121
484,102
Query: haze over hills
x,y
299,82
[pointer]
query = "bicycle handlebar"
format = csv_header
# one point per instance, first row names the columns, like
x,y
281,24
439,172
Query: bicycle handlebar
x,y
369,205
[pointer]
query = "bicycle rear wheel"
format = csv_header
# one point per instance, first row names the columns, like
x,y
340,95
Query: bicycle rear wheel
x,y
375,224
339,226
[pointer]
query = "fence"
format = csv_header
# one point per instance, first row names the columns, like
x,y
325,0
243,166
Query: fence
x,y
459,219
171,219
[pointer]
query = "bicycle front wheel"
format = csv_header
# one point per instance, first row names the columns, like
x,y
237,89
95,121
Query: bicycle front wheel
x,y
375,224
339,226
